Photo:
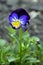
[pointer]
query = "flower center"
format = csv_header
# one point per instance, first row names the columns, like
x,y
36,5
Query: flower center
x,y
16,24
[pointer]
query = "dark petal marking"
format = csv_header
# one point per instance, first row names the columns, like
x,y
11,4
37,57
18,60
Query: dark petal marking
x,y
12,26
21,12
16,28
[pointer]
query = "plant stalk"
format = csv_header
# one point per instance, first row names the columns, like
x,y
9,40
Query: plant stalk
x,y
20,42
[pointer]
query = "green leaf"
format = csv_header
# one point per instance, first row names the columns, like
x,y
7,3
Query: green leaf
x,y
33,60
25,35
11,59
6,49
10,29
2,42
35,38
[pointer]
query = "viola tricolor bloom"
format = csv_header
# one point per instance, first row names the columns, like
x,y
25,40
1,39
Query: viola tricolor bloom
x,y
18,18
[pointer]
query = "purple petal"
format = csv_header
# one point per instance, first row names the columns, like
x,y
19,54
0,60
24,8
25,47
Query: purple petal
x,y
23,19
13,17
21,11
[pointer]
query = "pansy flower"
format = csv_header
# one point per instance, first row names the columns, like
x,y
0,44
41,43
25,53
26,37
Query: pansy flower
x,y
18,18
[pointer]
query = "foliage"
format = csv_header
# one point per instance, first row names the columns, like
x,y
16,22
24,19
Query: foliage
x,y
22,50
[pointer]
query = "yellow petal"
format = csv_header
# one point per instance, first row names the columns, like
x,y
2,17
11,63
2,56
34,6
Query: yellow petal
x,y
16,24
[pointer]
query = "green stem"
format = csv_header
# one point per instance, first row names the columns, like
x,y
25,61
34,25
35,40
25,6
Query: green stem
x,y
20,41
